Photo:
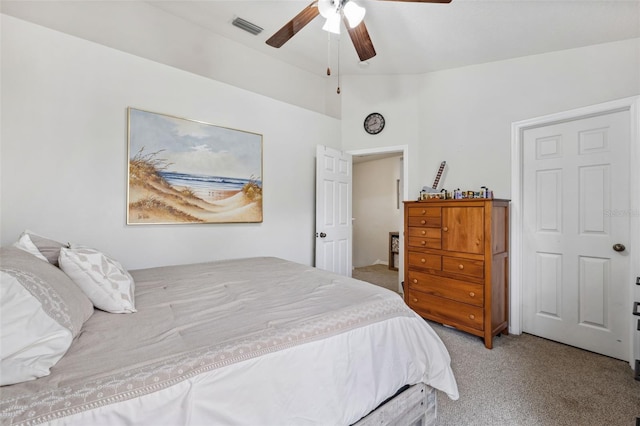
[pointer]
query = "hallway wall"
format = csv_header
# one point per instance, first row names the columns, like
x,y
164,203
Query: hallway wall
x,y
375,209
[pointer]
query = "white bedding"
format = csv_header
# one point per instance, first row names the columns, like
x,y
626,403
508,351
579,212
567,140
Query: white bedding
x,y
255,341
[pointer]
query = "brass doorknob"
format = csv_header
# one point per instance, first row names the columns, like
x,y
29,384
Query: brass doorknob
x,y
619,247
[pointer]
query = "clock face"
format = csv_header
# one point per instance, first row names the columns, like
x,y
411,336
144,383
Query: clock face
x,y
374,123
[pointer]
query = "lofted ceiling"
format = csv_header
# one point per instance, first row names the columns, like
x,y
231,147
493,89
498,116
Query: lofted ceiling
x,y
409,38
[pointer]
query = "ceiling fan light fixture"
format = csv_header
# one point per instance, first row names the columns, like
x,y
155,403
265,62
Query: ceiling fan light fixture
x,y
326,8
354,13
332,24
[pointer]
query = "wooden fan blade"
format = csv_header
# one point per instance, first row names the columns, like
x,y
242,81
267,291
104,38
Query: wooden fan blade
x,y
361,40
293,26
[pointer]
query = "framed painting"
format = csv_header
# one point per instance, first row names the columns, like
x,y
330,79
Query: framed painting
x,y
186,171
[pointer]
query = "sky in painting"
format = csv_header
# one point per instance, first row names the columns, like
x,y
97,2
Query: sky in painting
x,y
196,148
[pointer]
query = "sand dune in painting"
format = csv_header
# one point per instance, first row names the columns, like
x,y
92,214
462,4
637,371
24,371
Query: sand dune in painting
x,y
153,200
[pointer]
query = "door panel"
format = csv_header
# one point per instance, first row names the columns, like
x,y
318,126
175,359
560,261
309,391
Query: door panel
x,y
549,284
549,200
594,202
467,238
575,176
594,289
333,210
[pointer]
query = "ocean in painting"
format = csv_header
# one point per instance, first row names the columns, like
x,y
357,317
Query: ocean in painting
x,y
208,188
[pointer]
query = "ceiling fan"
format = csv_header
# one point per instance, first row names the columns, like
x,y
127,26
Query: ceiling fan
x,y
335,12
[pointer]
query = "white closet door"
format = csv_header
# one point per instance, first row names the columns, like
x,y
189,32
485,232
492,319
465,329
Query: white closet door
x,y
576,205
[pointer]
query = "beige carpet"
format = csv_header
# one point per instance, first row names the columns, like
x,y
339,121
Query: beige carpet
x,y
526,380
379,275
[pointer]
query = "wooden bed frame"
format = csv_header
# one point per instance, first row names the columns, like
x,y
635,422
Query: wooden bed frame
x,y
416,405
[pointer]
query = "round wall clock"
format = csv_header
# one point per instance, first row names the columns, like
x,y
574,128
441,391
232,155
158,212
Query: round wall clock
x,y
374,123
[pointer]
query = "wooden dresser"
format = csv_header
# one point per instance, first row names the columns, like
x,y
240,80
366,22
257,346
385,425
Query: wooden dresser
x,y
457,263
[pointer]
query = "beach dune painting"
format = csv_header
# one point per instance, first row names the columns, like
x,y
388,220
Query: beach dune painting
x,y
186,171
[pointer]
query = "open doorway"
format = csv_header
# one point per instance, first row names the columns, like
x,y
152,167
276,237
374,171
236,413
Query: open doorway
x,y
378,192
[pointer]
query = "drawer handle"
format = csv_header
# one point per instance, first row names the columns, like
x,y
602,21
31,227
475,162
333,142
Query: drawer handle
x,y
472,316
415,281
415,300
445,229
423,260
423,242
472,294
461,267
478,242
424,232
423,212
422,222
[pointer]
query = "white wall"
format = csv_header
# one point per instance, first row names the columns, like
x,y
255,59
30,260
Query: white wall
x,y
397,98
464,115
64,151
142,31
374,209
468,112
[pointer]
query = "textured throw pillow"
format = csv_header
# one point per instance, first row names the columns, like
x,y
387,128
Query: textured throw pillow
x,y
42,311
109,286
39,246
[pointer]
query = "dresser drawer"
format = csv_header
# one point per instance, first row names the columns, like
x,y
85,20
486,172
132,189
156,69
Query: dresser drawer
x,y
445,311
424,237
424,211
435,285
423,232
434,243
458,265
423,260
431,222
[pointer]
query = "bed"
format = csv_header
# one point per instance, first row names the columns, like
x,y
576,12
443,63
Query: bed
x,y
256,341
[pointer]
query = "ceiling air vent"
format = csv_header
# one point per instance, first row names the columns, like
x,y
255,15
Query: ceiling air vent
x,y
247,26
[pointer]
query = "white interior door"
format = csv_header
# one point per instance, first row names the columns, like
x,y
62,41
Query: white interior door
x,y
575,209
333,210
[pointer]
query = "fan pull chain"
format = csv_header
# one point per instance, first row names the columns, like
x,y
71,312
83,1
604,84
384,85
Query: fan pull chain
x,y
338,90
328,53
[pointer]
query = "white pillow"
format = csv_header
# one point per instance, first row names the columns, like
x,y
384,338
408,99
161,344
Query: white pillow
x,y
32,341
105,282
41,311
24,243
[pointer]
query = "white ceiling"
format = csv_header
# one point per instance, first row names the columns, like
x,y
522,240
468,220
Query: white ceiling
x,y
409,38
